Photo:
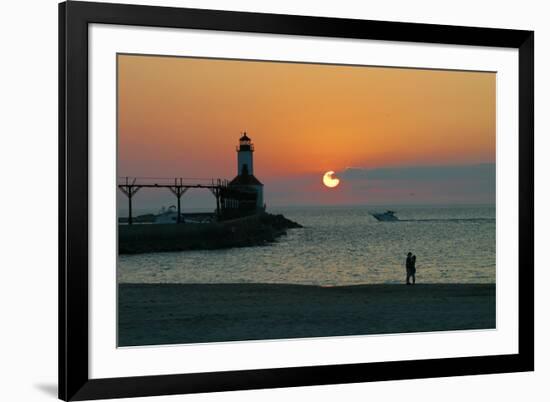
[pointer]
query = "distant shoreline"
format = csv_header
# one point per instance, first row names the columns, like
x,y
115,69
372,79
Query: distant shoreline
x,y
156,314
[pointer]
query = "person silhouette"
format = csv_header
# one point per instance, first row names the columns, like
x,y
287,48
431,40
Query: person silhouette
x,y
413,269
408,267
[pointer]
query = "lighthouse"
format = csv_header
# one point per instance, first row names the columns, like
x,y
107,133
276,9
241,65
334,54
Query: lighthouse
x,y
244,155
245,182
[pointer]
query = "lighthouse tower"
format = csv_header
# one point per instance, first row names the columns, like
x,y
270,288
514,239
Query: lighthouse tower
x,y
245,182
244,155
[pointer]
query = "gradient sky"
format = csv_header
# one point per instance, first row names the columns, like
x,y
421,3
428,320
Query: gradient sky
x,y
183,117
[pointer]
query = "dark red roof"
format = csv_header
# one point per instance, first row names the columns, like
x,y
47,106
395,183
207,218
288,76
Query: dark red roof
x,y
245,180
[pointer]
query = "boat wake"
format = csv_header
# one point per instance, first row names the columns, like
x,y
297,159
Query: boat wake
x,y
449,220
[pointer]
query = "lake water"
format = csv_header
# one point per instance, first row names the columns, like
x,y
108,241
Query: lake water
x,y
342,246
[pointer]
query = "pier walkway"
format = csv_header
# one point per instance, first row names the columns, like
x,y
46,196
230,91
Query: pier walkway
x,y
178,186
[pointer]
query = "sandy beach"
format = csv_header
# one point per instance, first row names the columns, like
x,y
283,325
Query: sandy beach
x,y
154,314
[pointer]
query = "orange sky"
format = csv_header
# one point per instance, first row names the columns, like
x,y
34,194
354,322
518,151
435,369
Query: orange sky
x,y
183,116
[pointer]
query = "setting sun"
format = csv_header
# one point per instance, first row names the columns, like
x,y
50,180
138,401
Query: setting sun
x,y
330,181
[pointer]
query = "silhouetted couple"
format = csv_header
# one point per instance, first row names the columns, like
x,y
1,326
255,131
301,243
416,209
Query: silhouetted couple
x,y
410,264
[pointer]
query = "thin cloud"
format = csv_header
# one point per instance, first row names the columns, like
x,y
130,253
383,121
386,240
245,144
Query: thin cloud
x,y
479,172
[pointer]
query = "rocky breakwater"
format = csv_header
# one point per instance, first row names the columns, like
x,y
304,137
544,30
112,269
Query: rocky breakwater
x,y
254,230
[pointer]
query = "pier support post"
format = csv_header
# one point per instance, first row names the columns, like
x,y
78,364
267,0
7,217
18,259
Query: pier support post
x,y
178,219
218,210
129,210
178,190
216,191
129,189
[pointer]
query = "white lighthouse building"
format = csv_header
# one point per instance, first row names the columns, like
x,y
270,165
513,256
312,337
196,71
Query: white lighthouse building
x,y
245,149
245,180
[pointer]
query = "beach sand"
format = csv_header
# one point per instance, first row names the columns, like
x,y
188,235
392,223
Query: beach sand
x,y
151,314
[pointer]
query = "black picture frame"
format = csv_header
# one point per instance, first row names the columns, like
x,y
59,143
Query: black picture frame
x,y
74,381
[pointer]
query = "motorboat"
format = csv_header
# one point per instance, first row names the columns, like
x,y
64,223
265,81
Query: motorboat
x,y
388,216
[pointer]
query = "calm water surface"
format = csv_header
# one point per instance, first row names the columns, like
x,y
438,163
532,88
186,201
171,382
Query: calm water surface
x,y
341,246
